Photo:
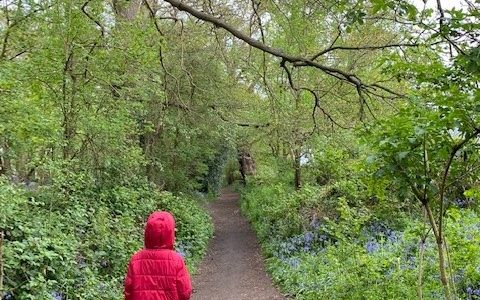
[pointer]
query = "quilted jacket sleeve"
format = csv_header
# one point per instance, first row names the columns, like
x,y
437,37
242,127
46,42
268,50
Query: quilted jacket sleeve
x,y
184,285
128,283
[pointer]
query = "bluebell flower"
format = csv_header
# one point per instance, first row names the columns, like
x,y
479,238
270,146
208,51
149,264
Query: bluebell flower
x,y
371,246
294,262
102,287
8,296
308,237
469,290
410,263
56,295
473,292
461,203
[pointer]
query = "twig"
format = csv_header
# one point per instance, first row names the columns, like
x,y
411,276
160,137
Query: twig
x,y
95,44
315,96
84,10
241,124
350,48
11,24
443,185
331,45
152,15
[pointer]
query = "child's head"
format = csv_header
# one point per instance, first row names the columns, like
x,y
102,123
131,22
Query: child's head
x,y
160,231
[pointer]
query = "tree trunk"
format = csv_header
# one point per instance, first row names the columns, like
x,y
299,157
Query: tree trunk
x,y
1,262
4,160
298,170
68,106
241,168
420,271
439,238
442,266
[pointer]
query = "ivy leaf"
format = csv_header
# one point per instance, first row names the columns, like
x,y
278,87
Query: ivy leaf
x,y
419,131
403,154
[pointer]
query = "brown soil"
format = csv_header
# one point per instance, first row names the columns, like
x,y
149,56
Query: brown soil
x,y
233,268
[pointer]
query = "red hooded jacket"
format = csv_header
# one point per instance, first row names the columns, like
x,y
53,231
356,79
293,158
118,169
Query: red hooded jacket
x,y
157,272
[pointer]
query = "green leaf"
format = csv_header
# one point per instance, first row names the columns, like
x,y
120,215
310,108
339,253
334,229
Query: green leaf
x,y
403,154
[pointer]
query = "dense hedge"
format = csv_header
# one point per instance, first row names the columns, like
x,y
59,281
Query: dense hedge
x,y
72,240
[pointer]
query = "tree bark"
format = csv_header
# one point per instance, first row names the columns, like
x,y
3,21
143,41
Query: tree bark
x,y
298,169
439,238
4,160
1,262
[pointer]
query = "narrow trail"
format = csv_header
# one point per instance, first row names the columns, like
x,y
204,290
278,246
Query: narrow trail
x,y
233,268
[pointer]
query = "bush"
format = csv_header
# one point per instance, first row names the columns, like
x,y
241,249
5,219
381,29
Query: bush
x,y
72,239
315,253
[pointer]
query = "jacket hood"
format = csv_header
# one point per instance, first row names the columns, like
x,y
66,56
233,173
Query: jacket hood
x,y
160,231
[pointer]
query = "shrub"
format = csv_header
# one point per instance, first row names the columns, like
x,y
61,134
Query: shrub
x,y
72,239
314,253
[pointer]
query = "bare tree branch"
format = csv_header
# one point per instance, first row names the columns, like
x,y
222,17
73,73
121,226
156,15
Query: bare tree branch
x,y
241,124
152,15
315,96
100,25
339,33
102,33
381,47
13,23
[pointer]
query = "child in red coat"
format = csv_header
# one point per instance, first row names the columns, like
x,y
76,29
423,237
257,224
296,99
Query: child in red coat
x,y
157,272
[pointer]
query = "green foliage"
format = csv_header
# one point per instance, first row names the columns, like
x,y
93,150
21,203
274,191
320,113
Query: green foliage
x,y
413,147
232,172
217,169
109,112
94,129
75,238
347,254
429,147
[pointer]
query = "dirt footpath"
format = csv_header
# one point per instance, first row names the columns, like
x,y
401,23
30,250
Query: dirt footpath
x,y
233,268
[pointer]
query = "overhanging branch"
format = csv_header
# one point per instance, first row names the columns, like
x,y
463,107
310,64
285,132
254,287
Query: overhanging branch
x,y
241,124
297,61
358,48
